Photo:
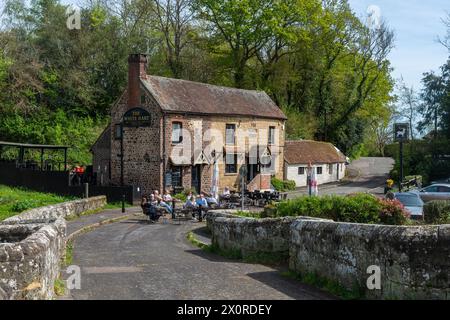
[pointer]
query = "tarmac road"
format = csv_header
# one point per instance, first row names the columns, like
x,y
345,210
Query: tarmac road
x,y
366,175
136,260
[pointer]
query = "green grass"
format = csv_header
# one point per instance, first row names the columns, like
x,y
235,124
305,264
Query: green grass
x,y
116,205
16,200
60,287
68,258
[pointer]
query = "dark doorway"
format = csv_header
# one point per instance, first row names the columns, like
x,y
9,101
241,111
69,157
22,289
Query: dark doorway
x,y
197,178
253,169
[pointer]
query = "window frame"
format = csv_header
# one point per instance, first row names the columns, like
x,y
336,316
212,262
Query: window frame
x,y
118,131
180,135
234,134
319,170
177,169
271,139
301,171
231,165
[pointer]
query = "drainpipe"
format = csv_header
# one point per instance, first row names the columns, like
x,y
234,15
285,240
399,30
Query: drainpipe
x,y
164,153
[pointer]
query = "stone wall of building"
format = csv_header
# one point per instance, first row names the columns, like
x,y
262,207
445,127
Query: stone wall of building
x,y
142,148
414,261
31,247
101,160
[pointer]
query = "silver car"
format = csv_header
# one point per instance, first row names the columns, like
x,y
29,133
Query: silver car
x,y
435,192
412,202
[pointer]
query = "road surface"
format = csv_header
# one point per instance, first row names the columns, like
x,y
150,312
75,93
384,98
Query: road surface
x,y
366,175
140,261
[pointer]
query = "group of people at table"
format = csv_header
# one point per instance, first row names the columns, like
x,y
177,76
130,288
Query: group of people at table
x,y
155,204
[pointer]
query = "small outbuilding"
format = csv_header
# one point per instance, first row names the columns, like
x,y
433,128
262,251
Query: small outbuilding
x,y
328,161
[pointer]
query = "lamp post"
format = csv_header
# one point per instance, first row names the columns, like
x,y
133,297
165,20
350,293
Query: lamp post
x,y
121,166
309,179
121,155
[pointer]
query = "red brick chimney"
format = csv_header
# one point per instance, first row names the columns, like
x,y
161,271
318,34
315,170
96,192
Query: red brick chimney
x,y
137,65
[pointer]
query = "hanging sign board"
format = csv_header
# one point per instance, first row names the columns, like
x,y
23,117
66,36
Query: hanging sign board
x,y
137,117
401,132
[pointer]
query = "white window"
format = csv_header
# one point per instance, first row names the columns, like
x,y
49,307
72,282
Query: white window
x,y
271,135
230,134
177,136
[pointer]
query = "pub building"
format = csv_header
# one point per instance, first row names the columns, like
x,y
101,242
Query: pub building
x,y
173,134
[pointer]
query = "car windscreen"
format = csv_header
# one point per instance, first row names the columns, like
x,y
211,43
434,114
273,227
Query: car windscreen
x,y
409,200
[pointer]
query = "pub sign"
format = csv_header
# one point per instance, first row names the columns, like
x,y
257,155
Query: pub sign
x,y
137,117
401,132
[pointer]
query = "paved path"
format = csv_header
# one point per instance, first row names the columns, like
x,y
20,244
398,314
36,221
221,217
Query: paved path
x,y
366,175
84,221
136,260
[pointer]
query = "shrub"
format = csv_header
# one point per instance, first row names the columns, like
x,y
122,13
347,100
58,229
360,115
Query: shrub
x,y
360,208
437,212
289,185
180,196
393,212
280,185
277,184
357,208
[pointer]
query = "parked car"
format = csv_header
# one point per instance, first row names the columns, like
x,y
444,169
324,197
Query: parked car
x,y
435,192
412,202
443,181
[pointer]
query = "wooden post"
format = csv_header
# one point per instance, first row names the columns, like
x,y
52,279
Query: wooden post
x,y
42,159
65,159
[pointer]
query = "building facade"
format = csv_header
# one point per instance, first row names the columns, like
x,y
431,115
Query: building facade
x,y
182,134
328,162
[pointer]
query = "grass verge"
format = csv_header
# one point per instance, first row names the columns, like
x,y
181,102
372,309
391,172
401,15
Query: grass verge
x,y
60,287
14,201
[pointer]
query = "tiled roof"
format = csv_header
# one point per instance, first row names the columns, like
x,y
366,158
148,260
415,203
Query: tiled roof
x,y
314,152
181,96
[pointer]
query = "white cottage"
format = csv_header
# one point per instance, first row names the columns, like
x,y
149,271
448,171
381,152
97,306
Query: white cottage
x,y
326,159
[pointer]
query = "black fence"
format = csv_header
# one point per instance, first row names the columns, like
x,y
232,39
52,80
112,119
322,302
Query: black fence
x,y
57,182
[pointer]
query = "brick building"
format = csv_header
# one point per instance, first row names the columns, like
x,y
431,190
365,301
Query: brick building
x,y
177,132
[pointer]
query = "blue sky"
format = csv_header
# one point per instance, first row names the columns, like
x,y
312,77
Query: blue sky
x,y
417,25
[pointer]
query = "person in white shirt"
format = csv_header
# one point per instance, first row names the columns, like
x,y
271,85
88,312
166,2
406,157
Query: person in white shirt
x,y
226,192
202,205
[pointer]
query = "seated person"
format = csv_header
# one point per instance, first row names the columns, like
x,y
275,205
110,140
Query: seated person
x,y
162,204
211,200
202,205
145,205
190,202
150,207
226,192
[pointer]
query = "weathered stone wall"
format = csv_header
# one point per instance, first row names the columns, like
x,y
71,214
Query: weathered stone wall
x,y
414,261
60,210
249,236
31,247
28,268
